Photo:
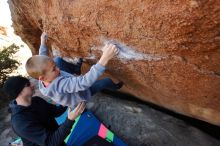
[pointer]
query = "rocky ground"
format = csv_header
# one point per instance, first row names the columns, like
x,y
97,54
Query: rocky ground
x,y
138,124
6,133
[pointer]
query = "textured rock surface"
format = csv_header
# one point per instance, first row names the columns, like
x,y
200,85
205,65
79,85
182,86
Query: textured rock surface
x,y
6,135
139,124
170,49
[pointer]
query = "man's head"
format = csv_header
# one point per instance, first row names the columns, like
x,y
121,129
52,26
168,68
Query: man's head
x,y
17,86
42,67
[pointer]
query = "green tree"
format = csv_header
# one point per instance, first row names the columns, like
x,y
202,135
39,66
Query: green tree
x,y
7,63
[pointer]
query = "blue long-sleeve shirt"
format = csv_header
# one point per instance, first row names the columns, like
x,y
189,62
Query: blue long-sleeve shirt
x,y
67,89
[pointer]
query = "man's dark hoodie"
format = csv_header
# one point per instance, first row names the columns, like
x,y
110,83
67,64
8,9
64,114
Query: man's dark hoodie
x,y
36,124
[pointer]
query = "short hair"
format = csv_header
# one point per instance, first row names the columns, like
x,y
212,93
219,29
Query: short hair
x,y
35,64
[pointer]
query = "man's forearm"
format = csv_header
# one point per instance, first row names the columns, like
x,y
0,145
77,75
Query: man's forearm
x,y
57,110
58,136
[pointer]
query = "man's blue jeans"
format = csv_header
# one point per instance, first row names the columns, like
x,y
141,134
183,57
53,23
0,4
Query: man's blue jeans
x,y
98,86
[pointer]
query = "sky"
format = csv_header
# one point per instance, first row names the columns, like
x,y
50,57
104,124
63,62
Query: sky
x,y
5,14
5,21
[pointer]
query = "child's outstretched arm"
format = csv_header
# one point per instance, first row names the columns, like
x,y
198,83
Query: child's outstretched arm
x,y
43,48
80,83
108,53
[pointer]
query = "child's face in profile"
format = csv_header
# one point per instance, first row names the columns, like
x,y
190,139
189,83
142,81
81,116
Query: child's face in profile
x,y
50,71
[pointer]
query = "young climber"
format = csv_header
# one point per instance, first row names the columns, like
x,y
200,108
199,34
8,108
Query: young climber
x,y
63,87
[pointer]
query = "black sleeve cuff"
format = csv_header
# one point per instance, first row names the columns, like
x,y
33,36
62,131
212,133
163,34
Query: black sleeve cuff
x,y
69,123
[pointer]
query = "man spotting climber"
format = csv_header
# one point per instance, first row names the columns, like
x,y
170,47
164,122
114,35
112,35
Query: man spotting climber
x,y
33,119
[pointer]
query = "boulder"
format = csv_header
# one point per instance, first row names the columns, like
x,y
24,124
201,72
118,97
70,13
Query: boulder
x,y
169,50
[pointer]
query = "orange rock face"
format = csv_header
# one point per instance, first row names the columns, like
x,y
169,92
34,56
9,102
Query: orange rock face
x,y
170,50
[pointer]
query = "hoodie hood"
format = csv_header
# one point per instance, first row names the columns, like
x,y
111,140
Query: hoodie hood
x,y
14,108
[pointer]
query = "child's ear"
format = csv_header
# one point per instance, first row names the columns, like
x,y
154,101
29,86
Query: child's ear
x,y
41,78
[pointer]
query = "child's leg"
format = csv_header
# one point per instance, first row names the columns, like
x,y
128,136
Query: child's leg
x,y
105,83
68,67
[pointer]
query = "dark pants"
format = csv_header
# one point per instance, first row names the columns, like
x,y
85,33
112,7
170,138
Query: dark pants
x,y
105,83
98,86
68,67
